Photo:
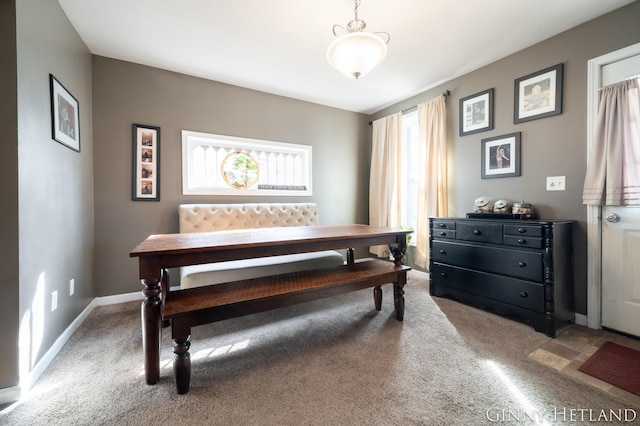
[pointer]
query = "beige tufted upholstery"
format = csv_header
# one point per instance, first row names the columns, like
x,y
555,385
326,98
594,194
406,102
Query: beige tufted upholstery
x,y
220,217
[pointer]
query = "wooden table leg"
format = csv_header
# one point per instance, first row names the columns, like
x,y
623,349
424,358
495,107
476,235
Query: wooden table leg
x,y
398,295
182,364
151,324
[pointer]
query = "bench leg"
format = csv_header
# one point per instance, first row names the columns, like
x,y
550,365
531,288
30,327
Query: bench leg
x,y
351,256
377,297
182,364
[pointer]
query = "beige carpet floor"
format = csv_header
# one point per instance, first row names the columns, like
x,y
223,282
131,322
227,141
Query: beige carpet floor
x,y
335,361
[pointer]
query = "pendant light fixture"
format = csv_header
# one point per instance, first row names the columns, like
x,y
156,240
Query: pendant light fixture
x,y
356,52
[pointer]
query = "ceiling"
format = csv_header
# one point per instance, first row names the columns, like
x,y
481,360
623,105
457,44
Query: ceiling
x,y
279,46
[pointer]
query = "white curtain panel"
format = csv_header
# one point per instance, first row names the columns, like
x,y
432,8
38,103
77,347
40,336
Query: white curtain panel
x,y
432,186
613,171
384,182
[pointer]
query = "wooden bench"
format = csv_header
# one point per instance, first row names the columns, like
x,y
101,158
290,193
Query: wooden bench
x,y
187,308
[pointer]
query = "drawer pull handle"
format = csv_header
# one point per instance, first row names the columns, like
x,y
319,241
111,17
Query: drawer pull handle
x,y
443,274
443,252
523,294
521,241
443,225
522,264
443,234
522,230
476,232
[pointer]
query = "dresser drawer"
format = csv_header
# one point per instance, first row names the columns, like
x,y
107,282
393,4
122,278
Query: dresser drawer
x,y
480,232
516,263
510,290
444,233
523,230
443,224
521,241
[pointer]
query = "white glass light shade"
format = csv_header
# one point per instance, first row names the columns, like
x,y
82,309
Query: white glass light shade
x,y
355,54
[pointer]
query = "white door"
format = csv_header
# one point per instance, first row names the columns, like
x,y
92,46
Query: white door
x,y
621,240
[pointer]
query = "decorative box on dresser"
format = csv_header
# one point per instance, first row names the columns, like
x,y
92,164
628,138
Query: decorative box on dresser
x,y
518,268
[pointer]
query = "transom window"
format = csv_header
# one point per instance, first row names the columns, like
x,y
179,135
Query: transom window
x,y
227,165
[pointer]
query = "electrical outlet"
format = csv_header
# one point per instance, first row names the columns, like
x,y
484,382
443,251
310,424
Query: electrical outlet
x,y
54,300
556,183
72,286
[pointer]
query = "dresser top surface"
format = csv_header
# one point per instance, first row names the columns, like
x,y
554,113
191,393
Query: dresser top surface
x,y
503,221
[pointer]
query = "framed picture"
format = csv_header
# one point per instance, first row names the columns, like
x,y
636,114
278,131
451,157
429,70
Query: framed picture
x,y
476,113
538,95
146,163
65,115
501,156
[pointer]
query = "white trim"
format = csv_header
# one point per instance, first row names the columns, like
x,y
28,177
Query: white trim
x,y
581,319
9,396
119,298
594,223
15,393
419,274
26,382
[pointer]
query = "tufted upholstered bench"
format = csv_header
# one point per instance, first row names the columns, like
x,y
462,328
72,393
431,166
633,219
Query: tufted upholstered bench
x,y
222,217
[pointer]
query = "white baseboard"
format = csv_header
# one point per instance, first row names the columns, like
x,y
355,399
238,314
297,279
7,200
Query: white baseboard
x,y
14,393
419,274
9,395
581,320
119,298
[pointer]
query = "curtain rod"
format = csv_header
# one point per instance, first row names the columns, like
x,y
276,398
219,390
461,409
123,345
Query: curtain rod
x,y
446,94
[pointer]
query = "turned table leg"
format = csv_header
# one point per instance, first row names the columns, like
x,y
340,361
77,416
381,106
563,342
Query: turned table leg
x,y
398,300
151,324
182,364
398,295
398,251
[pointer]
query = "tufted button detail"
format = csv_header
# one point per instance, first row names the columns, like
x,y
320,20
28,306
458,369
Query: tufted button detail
x,y
216,217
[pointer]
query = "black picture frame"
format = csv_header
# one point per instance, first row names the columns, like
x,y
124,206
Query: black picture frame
x,y
538,95
65,115
501,156
476,113
146,163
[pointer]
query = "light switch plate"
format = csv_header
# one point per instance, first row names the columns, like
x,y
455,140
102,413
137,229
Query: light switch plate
x,y
556,183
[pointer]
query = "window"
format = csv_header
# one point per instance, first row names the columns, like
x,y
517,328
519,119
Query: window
x,y
227,165
410,171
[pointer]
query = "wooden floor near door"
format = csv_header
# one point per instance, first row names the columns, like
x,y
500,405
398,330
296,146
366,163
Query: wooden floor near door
x,y
573,346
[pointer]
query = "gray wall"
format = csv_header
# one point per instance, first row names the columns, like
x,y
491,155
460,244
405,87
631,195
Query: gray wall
x,y
554,146
9,189
50,193
55,183
125,93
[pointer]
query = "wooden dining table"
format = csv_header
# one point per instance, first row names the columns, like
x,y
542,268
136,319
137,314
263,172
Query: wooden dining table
x,y
157,253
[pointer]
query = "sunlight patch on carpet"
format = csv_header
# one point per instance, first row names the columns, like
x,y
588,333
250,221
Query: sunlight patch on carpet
x,y
528,412
214,352
219,351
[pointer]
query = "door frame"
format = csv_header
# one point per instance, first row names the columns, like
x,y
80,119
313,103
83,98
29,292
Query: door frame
x,y
594,213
